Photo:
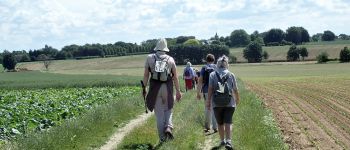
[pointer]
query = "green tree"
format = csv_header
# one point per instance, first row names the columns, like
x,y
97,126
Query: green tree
x,y
274,35
317,37
322,58
344,55
9,61
328,36
239,38
253,52
344,37
303,52
294,35
193,42
293,53
297,35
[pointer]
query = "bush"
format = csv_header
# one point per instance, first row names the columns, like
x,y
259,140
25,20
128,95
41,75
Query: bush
x,y
322,58
293,53
9,61
253,52
266,55
303,52
344,55
193,42
232,58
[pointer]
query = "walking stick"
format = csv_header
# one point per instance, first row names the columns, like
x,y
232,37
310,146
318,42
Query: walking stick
x,y
144,94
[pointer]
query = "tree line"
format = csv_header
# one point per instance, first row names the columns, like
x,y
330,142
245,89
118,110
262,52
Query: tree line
x,y
184,48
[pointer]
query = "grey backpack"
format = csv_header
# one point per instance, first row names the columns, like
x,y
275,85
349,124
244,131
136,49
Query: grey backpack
x,y
161,70
222,94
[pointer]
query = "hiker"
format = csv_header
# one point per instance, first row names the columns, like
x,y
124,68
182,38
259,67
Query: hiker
x,y
223,97
203,82
189,76
160,71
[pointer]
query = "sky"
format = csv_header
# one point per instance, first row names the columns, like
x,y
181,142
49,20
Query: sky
x,y
30,24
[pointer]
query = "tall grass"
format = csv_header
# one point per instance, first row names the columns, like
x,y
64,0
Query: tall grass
x,y
187,120
254,127
36,79
88,131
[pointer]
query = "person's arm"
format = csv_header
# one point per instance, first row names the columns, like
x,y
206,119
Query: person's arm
x,y
210,94
145,77
236,96
176,82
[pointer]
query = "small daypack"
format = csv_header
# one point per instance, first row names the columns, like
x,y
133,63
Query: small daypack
x,y
222,94
187,72
161,69
207,71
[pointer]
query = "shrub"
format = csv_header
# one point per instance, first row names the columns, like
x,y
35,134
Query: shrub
x,y
303,52
273,44
284,42
344,55
253,52
293,53
232,58
9,61
266,55
322,58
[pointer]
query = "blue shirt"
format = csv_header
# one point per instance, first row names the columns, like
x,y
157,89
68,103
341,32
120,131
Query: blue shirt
x,y
205,85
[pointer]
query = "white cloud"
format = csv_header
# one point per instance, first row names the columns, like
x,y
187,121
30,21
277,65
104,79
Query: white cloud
x,y
32,24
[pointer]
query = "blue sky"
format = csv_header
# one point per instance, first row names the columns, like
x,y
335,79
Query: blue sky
x,y
30,24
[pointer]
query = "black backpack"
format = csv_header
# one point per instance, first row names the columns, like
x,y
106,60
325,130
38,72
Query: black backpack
x,y
207,71
222,94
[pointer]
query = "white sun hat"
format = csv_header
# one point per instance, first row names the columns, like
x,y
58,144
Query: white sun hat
x,y
161,45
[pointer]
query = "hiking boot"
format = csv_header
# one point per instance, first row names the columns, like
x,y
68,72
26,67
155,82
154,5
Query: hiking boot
x,y
222,143
206,130
168,133
215,130
228,146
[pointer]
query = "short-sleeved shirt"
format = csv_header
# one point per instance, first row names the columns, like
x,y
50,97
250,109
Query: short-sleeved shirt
x,y
150,61
192,73
205,85
231,83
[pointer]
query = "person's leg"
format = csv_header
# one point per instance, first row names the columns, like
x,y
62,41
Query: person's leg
x,y
213,123
159,112
228,113
219,118
207,113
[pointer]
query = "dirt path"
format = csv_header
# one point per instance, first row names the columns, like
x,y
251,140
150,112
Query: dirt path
x,y
118,136
305,121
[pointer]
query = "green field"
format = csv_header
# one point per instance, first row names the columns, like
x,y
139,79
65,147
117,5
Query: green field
x,y
36,79
257,124
279,53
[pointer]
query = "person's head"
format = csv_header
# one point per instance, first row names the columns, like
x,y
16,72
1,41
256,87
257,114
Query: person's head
x,y
188,64
222,62
161,46
210,58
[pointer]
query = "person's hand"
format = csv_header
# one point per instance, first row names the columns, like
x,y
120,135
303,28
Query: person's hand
x,y
178,95
199,96
143,92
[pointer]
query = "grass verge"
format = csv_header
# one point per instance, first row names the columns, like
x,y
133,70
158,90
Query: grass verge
x,y
254,127
88,131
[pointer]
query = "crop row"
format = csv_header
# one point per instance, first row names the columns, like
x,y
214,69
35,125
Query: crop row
x,y
24,111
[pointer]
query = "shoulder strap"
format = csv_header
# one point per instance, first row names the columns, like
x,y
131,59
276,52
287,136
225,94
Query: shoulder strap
x,y
218,76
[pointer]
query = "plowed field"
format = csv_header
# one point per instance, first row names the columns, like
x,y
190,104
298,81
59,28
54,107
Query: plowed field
x,y
312,112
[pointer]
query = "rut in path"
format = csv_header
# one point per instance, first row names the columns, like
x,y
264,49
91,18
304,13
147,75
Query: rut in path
x,y
118,136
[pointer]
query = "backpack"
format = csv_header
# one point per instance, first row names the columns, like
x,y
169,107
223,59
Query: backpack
x,y
207,71
187,72
222,94
161,69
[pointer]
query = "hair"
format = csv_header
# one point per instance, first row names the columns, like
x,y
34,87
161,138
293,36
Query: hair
x,y
222,62
210,58
189,64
